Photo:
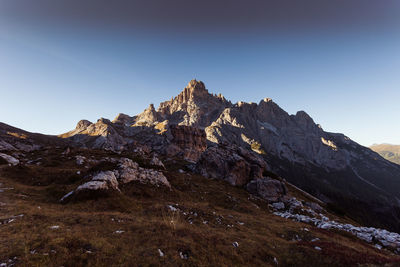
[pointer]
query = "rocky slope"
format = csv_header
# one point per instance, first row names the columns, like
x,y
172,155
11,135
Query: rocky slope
x,y
330,166
87,207
247,145
387,151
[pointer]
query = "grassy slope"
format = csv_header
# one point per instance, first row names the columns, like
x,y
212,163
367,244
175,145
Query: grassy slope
x,y
389,152
87,228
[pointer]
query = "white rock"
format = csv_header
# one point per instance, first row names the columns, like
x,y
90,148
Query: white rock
x,y
161,253
102,181
172,208
235,244
11,160
66,196
278,205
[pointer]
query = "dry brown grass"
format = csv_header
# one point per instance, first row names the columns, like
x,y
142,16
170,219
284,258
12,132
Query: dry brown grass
x,y
212,216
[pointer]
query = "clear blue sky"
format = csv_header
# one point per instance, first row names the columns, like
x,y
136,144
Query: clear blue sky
x,y
56,69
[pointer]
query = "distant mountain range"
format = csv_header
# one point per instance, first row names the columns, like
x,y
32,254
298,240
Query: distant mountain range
x,y
388,151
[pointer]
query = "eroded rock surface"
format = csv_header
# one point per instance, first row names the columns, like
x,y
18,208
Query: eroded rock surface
x,y
232,164
11,160
269,189
127,171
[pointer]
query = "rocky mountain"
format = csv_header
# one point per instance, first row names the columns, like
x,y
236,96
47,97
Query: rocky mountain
x,y
202,160
388,151
351,178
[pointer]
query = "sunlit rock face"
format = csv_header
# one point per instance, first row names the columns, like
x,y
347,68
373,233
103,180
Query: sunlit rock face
x,y
194,106
196,123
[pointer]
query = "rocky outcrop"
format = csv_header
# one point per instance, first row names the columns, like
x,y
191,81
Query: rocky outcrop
x,y
128,171
194,106
9,159
232,164
101,181
269,189
190,141
99,135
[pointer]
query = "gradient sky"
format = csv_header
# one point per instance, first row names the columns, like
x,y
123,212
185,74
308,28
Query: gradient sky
x,y
63,61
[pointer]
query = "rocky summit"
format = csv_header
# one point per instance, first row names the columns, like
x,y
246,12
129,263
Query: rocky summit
x,y
197,181
202,126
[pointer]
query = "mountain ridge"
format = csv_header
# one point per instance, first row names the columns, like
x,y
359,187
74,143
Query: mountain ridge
x,y
329,166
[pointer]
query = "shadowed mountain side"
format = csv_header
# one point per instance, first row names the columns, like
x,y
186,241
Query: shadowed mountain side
x,y
12,138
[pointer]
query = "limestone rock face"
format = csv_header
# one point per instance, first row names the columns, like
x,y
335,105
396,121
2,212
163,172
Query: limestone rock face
x,y
148,117
101,181
191,141
294,146
130,171
194,106
269,189
99,135
232,164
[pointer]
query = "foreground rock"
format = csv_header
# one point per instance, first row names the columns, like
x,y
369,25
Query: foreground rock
x,y
9,159
101,181
269,189
128,171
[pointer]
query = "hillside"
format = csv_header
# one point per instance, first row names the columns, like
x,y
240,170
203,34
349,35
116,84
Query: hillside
x,y
199,181
387,151
198,222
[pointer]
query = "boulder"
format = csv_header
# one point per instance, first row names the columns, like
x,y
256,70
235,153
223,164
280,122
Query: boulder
x,y
130,171
269,189
102,181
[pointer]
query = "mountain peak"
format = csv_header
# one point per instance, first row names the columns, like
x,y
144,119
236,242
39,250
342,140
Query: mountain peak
x,y
196,85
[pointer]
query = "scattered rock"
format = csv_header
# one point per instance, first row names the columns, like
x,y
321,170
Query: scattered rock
x,y
161,253
235,244
278,205
80,160
157,162
380,237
